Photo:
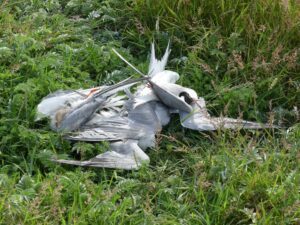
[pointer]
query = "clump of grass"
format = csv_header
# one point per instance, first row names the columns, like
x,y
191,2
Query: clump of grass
x,y
242,56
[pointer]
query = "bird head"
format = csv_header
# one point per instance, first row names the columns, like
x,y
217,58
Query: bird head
x,y
175,96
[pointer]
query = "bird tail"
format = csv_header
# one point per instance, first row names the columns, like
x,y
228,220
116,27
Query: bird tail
x,y
155,65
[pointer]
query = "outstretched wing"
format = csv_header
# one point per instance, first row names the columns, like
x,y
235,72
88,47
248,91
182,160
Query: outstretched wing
x,y
199,119
123,155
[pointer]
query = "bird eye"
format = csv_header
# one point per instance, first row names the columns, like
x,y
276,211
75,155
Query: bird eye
x,y
187,98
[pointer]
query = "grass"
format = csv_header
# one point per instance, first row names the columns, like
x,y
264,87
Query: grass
x,y
242,56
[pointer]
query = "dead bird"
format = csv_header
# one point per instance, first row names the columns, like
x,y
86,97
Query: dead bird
x,y
133,129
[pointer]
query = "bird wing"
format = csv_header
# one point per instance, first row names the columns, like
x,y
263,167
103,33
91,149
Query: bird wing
x,y
123,155
199,119
145,114
111,131
162,112
141,122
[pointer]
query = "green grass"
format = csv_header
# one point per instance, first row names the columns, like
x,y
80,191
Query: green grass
x,y
242,56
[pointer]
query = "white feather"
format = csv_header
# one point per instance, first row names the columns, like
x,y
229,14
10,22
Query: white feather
x,y
156,65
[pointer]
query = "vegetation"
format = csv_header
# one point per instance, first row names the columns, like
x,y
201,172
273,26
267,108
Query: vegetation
x,y
241,56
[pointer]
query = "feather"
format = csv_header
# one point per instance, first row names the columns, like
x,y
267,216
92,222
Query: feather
x,y
155,65
123,155
199,119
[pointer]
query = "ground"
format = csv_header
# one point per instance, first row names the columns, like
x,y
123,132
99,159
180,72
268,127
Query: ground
x,y
241,56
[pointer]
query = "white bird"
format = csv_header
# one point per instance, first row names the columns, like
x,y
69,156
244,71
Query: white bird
x,y
132,129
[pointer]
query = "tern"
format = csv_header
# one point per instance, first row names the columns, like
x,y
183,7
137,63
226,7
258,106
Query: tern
x,y
131,129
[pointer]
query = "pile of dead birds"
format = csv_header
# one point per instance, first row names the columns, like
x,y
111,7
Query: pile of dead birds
x,y
129,121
